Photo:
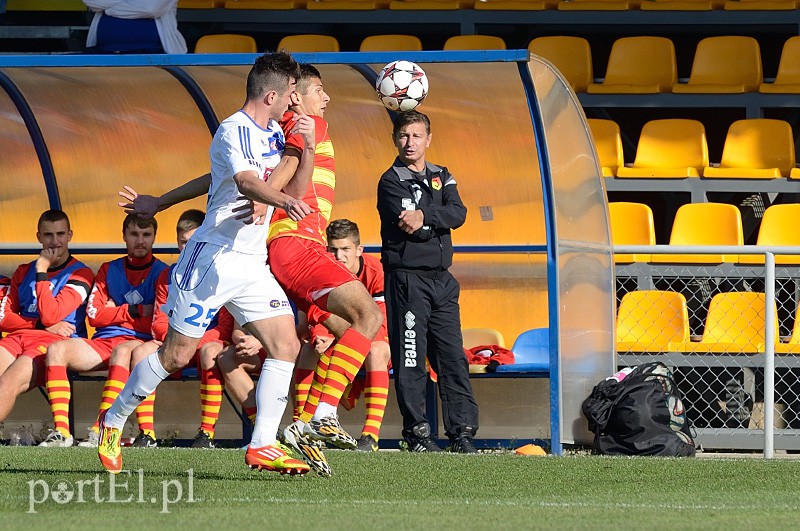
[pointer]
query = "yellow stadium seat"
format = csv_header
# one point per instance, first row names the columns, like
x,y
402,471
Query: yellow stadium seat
x,y
474,42
264,4
226,43
390,43
309,43
758,148
671,148
787,80
652,321
200,4
681,5
704,224
778,229
597,5
760,5
724,65
474,337
631,224
793,345
345,5
514,5
735,324
571,55
428,5
45,5
639,65
608,143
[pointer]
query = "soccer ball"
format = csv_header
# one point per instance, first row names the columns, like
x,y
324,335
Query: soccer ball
x,y
401,86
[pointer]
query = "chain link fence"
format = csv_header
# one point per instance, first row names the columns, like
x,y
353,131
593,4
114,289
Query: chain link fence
x,y
719,356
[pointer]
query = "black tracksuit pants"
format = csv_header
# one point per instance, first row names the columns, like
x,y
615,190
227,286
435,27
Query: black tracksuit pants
x,y
425,320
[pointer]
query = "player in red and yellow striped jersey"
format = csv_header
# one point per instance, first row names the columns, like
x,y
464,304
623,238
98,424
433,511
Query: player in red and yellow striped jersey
x,y
311,275
344,241
45,303
120,308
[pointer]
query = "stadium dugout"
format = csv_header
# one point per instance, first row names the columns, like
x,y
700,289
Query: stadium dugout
x,y
535,251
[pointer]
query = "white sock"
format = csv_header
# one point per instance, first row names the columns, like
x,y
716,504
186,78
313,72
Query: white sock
x,y
272,395
324,409
143,380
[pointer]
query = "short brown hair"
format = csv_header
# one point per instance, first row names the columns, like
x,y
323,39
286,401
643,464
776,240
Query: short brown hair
x,y
307,73
52,216
142,223
410,117
339,229
271,71
190,220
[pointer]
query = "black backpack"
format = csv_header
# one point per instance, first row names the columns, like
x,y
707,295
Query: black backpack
x,y
641,415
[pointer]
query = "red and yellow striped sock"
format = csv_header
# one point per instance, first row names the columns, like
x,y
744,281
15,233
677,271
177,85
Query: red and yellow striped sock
x,y
144,415
312,399
347,357
210,399
58,393
302,387
376,392
251,413
117,376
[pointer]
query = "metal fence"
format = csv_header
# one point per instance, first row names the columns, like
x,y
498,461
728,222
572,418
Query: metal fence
x,y
738,368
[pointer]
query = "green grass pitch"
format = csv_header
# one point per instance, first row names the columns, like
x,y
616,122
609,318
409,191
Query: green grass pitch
x,y
40,489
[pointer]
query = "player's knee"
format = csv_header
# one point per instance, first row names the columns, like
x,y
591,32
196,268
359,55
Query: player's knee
x,y
286,350
57,353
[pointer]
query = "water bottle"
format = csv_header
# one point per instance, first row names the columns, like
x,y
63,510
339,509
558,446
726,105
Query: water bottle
x,y
621,374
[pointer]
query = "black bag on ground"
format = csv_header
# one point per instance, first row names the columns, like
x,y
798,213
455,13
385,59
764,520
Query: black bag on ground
x,y
641,415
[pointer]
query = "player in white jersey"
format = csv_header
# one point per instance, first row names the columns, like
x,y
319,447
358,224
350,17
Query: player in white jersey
x,y
224,263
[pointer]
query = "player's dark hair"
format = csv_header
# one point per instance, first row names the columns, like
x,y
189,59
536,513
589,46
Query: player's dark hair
x,y
410,117
307,73
52,216
271,71
190,220
339,229
142,223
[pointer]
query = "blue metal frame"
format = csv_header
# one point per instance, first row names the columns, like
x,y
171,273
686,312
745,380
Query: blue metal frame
x,y
39,145
552,260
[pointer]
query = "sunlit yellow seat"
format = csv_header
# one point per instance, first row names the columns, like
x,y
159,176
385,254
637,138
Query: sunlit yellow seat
x,y
309,43
724,65
474,337
631,224
779,228
652,321
226,43
474,42
571,55
787,80
757,148
608,143
639,65
671,148
735,324
704,224
390,43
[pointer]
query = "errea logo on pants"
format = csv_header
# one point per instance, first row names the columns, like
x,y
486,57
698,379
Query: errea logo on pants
x,y
410,341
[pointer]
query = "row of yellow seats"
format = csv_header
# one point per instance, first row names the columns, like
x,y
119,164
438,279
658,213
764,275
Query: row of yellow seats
x,y
704,224
658,321
497,5
232,43
648,65
754,148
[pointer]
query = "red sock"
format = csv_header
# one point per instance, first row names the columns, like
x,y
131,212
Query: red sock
x,y
58,393
210,399
376,392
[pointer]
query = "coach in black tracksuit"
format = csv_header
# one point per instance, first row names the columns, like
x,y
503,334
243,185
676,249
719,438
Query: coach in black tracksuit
x,y
418,203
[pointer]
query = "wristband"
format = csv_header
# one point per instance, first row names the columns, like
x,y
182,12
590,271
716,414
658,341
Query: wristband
x,y
133,309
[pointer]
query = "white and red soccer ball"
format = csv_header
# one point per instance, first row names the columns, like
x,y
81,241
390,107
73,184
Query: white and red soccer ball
x,y
401,86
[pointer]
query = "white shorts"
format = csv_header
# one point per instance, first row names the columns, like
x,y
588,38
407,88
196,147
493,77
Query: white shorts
x,y
208,277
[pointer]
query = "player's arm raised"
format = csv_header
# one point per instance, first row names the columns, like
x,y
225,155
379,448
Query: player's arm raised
x,y
147,206
251,186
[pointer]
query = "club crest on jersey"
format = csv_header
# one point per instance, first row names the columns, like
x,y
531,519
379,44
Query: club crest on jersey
x,y
436,183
